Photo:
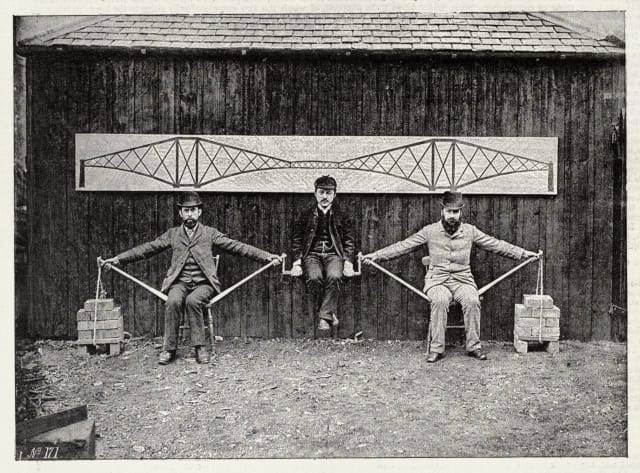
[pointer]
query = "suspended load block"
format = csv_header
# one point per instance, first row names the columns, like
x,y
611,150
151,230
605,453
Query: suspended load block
x,y
107,322
536,320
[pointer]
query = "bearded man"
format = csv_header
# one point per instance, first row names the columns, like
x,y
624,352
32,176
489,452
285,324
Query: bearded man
x,y
192,279
449,277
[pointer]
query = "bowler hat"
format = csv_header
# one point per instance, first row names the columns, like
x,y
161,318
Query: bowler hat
x,y
325,182
189,199
452,200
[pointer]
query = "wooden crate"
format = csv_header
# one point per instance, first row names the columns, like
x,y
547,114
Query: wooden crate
x,y
536,320
107,322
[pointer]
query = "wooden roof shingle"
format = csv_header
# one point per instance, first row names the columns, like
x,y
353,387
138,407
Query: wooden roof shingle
x,y
510,32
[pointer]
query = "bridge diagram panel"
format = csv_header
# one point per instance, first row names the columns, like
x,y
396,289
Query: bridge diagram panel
x,y
361,164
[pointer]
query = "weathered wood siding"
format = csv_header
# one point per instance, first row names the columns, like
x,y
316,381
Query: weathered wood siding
x,y
576,100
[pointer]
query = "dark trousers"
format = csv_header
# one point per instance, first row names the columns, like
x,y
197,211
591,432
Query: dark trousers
x,y
189,300
323,274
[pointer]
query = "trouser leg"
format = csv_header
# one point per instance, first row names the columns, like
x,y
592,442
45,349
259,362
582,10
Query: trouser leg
x,y
440,298
194,309
173,310
314,281
469,299
332,282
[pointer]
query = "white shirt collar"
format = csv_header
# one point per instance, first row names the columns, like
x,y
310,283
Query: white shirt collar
x,y
323,210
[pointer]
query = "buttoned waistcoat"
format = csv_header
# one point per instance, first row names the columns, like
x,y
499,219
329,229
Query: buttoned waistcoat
x,y
305,227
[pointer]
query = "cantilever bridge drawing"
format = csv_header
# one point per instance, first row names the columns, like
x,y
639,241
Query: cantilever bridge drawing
x,y
513,165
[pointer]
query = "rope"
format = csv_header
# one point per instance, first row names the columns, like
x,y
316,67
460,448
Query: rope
x,y
539,292
99,291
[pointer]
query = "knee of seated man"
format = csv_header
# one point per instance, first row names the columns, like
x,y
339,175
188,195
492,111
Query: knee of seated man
x,y
439,300
193,301
174,301
469,300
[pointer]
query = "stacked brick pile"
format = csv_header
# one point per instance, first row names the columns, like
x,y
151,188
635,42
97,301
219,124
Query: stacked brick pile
x,y
536,320
108,324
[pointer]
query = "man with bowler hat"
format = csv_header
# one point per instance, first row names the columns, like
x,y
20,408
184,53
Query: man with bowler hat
x,y
449,274
322,247
191,280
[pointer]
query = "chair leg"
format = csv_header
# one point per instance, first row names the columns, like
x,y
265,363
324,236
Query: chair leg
x,y
428,335
212,337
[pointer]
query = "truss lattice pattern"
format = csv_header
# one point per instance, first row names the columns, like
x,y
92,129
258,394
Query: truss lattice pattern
x,y
435,164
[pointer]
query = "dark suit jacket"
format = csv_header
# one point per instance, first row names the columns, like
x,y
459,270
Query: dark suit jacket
x,y
201,246
305,227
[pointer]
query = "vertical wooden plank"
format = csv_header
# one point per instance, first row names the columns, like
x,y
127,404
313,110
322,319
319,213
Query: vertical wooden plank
x,y
348,203
31,107
414,214
601,118
123,122
528,211
506,215
554,250
481,215
36,209
214,97
166,202
76,247
49,149
234,319
100,205
144,205
580,222
371,226
280,304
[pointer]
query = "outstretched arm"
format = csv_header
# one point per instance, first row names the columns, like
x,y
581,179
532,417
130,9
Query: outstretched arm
x,y
142,251
501,247
400,248
243,249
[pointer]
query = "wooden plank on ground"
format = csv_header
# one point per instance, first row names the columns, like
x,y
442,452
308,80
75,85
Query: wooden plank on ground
x,y
30,428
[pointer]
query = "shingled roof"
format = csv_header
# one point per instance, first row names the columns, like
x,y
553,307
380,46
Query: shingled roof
x,y
510,33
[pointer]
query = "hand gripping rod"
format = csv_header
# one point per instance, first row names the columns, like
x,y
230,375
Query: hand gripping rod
x,y
153,291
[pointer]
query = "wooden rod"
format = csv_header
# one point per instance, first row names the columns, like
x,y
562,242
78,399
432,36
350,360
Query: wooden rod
x,y
240,283
400,280
153,291
509,273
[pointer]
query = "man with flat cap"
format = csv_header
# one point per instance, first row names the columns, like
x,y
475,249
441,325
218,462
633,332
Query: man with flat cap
x,y
191,280
323,246
449,274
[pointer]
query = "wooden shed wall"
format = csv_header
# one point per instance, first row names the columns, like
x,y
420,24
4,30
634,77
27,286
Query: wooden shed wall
x,y
577,101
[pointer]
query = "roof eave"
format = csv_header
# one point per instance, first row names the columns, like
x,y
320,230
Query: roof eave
x,y
356,52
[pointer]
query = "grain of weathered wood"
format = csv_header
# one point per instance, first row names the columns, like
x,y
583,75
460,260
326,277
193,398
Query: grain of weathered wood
x,y
323,96
601,119
580,211
30,428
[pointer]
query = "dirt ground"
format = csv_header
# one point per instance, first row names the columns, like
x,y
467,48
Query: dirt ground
x,y
340,398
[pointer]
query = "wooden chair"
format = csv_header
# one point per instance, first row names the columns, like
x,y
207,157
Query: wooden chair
x,y
184,325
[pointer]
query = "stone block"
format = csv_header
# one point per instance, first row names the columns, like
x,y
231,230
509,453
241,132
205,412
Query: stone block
x,y
103,304
537,301
109,314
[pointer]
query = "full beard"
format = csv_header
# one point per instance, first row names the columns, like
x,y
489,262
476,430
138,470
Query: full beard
x,y
451,226
190,223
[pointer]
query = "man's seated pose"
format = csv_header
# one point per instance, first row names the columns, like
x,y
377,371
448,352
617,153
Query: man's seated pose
x,y
192,278
322,245
449,274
